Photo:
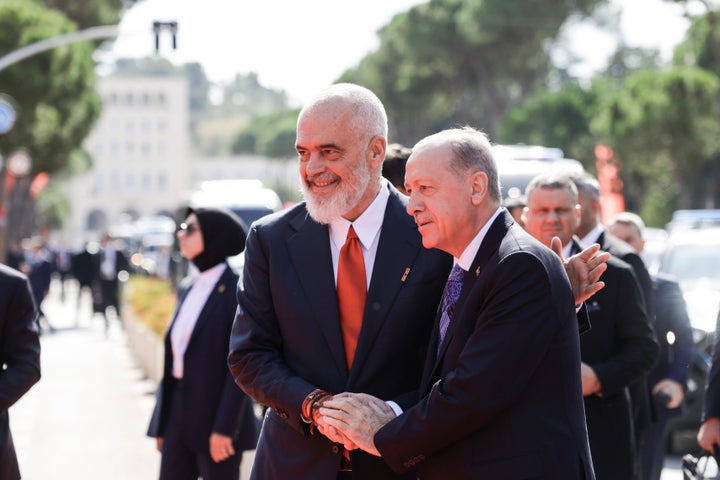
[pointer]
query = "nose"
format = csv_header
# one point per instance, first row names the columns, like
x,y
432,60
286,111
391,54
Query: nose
x,y
413,205
314,165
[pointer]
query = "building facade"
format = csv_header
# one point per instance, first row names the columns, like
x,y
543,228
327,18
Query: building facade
x,y
140,153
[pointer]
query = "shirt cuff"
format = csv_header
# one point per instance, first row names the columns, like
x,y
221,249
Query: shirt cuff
x,y
396,408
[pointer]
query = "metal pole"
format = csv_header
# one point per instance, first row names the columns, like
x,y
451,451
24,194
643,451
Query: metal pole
x,y
92,33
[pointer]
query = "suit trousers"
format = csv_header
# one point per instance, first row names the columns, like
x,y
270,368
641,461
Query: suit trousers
x,y
179,462
8,461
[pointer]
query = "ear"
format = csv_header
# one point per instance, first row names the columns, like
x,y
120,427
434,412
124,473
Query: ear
x,y
479,185
376,151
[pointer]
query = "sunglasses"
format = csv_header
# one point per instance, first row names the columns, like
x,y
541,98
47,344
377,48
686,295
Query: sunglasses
x,y
187,228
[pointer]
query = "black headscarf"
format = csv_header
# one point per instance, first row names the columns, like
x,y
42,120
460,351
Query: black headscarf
x,y
223,236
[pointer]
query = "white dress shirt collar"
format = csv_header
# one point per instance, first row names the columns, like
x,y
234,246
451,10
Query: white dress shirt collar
x,y
367,225
592,236
468,256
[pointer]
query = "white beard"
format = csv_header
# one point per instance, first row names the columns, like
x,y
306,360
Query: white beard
x,y
326,209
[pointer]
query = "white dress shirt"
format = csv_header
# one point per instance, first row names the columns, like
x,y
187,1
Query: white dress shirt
x,y
367,227
187,316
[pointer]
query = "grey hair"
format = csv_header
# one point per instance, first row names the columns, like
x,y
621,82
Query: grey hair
x,y
369,114
471,152
631,219
552,181
586,185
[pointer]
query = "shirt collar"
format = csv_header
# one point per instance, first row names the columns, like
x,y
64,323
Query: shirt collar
x,y
367,225
468,256
211,275
592,236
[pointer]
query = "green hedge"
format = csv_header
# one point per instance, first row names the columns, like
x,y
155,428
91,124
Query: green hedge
x,y
152,301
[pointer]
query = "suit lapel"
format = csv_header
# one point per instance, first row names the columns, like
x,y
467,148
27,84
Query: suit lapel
x,y
211,303
488,248
309,251
395,254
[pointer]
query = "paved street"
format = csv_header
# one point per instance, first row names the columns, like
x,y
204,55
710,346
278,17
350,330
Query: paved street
x,y
86,418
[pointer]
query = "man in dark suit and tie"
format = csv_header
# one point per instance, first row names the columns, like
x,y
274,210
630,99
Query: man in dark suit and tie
x,y
590,230
19,357
501,392
666,381
620,348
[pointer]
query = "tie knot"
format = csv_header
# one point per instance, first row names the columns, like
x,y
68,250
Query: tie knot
x,y
456,274
351,234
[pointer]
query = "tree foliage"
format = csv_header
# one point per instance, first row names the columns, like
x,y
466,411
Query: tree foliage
x,y
449,62
664,128
89,13
272,135
54,90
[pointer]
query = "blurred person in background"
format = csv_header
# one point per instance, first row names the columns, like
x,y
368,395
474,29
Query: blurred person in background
x,y
14,256
202,421
111,262
62,262
666,381
709,435
515,206
38,267
621,346
590,230
19,357
84,269
393,167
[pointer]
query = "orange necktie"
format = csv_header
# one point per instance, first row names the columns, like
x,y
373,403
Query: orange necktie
x,y
351,292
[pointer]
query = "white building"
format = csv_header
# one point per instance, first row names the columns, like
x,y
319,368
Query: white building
x,y
139,149
142,165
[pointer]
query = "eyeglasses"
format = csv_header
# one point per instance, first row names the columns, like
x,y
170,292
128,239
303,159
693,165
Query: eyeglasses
x,y
187,228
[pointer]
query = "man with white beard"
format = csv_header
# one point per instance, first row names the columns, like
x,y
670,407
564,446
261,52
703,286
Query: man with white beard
x,y
337,295
292,343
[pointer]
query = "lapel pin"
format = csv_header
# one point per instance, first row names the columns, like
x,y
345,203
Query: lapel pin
x,y
477,272
407,271
221,288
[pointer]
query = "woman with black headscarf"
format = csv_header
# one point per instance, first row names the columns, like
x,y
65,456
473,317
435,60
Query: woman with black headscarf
x,y
202,420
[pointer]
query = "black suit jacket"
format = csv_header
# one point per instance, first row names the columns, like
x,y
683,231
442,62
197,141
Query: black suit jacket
x,y
287,341
674,360
211,400
503,399
643,413
19,357
621,348
711,408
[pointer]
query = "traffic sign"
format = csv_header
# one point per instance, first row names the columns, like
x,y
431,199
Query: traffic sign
x,y
7,114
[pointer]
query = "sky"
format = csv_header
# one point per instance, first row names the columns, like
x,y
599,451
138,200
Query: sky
x,y
303,46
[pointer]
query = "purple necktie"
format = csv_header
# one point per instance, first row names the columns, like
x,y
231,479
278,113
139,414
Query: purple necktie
x,y
450,297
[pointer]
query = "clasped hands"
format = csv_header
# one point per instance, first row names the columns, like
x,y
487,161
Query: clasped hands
x,y
352,419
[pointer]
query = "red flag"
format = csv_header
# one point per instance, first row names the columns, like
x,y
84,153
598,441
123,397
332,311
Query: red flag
x,y
38,183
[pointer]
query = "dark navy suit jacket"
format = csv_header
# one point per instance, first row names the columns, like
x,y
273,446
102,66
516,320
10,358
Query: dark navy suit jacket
x,y
287,340
670,316
504,398
19,357
621,348
711,407
211,400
